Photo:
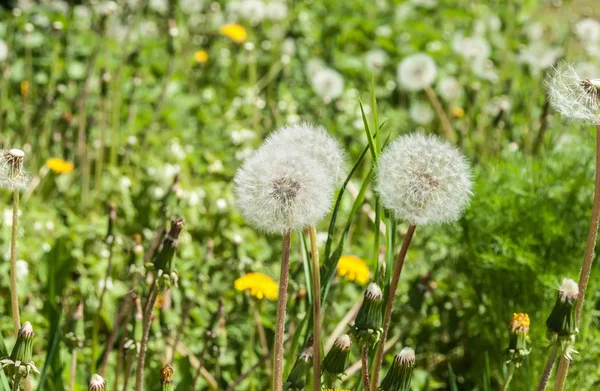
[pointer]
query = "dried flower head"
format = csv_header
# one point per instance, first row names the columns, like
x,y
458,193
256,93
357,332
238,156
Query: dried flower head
x,y
353,269
166,374
12,176
336,360
259,286
399,375
575,96
424,179
562,321
313,140
416,72
569,289
20,362
97,383
283,189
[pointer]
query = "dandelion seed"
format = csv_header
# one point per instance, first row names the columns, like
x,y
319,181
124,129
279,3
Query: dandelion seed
x,y
575,96
353,269
313,140
423,179
417,72
12,176
259,286
59,166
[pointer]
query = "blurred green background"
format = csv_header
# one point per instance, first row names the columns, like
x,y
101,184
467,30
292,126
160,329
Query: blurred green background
x,y
133,93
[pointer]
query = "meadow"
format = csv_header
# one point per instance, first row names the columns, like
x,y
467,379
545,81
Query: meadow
x,y
421,172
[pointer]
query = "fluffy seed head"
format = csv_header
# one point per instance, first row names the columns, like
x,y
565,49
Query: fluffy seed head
x,y
313,140
405,357
283,189
424,179
97,383
575,96
568,289
12,176
328,84
417,72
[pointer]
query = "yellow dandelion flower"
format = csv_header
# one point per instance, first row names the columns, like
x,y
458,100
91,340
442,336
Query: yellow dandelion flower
x,y
160,301
24,88
457,112
234,31
59,166
258,284
519,322
201,56
354,269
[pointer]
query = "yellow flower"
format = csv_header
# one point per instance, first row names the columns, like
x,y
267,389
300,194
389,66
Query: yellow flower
x,y
234,31
520,322
258,284
160,301
201,56
24,88
59,166
353,268
457,112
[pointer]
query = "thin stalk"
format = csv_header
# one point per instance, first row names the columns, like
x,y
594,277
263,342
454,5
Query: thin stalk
x,y
14,298
113,335
584,276
511,372
139,374
365,367
15,386
281,308
316,286
262,336
390,301
73,369
439,110
548,368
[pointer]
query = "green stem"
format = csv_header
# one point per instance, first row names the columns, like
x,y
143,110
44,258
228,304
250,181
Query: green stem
x,y
139,374
552,352
281,308
316,286
511,372
14,298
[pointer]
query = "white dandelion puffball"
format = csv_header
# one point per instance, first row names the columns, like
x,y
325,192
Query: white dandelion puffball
x,y
568,289
424,179
276,10
587,30
471,48
421,113
12,175
3,50
375,60
417,72
449,89
538,56
315,141
280,190
328,84
575,96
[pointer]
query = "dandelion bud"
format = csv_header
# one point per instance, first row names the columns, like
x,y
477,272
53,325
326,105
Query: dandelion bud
x,y
336,360
296,380
20,363
12,176
424,179
97,383
400,373
575,96
367,327
562,320
518,341
163,261
166,378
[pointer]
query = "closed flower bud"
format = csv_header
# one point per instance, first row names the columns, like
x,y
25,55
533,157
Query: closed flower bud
x,y
400,373
369,320
296,380
166,378
97,383
163,261
562,320
519,340
336,360
20,363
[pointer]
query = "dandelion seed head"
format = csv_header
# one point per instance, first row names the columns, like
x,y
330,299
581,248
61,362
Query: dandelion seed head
x,y
417,72
3,50
97,383
374,292
405,357
424,179
587,30
575,96
12,175
421,113
313,140
281,190
375,59
328,84
449,89
568,289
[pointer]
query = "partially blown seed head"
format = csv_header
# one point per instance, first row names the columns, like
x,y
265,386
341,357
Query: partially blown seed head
x,y
575,96
12,176
424,179
568,289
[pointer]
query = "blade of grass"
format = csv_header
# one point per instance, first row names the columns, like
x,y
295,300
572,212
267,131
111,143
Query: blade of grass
x,y
374,152
452,379
306,266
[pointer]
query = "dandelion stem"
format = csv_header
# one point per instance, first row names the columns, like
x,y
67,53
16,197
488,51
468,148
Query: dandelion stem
x,y
261,335
584,276
129,298
390,301
316,286
511,372
281,308
139,374
73,369
439,110
365,366
15,386
548,368
14,298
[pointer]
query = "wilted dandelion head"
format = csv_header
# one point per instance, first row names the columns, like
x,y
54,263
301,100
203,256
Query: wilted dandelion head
x,y
282,189
315,141
575,96
519,322
97,383
328,84
424,179
568,289
166,374
417,72
12,176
